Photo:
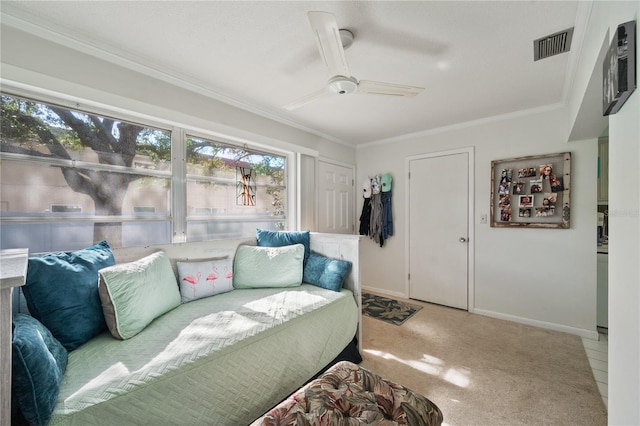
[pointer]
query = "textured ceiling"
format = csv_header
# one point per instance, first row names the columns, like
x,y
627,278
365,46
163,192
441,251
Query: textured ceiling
x,y
474,58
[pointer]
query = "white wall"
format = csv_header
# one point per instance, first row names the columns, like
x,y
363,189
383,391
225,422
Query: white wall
x,y
624,212
624,264
545,277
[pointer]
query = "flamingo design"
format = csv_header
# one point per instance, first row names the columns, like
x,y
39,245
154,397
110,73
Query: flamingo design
x,y
193,281
213,277
227,273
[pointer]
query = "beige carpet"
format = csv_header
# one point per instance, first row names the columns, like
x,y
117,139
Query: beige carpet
x,y
485,371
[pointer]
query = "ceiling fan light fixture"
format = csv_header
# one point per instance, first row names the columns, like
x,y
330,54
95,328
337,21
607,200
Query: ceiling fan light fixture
x,y
346,38
343,85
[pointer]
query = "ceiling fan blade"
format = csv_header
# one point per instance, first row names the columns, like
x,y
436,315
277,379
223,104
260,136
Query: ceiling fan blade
x,y
379,88
327,33
307,99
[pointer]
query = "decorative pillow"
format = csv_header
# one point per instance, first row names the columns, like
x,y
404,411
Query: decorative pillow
x,y
268,238
204,278
61,290
257,267
134,294
326,273
39,362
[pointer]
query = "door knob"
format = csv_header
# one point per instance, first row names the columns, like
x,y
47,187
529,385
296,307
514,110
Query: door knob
x,y
462,240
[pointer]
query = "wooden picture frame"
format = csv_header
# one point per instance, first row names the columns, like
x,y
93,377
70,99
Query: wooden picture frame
x,y
531,192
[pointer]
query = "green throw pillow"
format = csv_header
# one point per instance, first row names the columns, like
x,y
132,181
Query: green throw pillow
x,y
259,267
267,238
134,294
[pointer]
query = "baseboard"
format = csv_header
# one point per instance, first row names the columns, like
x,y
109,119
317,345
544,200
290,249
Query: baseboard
x,y
381,292
589,334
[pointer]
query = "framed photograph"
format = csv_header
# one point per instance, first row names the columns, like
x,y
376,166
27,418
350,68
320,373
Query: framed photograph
x,y
506,175
519,188
505,200
619,69
546,170
524,212
526,201
539,198
556,183
526,172
506,214
535,186
503,188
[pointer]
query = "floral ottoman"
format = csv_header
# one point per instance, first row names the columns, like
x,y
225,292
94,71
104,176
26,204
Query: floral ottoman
x,y
347,394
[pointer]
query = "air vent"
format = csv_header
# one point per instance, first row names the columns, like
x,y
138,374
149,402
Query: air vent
x,y
552,44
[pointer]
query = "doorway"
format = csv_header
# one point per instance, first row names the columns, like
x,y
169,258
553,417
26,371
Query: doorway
x,y
440,211
336,211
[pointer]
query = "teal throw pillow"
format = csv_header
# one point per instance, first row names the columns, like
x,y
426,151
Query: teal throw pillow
x,y
261,267
325,272
134,294
61,290
267,238
38,364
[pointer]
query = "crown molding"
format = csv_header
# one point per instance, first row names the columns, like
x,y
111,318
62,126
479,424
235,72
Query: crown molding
x,y
464,125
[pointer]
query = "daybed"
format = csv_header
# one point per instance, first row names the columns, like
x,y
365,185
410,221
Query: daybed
x,y
219,360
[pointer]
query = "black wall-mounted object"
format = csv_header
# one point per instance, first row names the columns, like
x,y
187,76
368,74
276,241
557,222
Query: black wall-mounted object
x,y
619,69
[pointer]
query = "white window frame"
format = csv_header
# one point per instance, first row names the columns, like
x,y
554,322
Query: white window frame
x,y
179,131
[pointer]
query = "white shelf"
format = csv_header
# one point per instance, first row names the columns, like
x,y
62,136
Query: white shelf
x,y
13,267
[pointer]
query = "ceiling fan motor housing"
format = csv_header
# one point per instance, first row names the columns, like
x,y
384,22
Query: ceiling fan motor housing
x,y
343,85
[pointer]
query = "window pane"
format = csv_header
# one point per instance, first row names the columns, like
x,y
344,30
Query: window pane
x,y
231,191
70,234
64,170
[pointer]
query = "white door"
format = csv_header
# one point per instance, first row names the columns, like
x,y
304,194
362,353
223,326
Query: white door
x,y
439,229
335,204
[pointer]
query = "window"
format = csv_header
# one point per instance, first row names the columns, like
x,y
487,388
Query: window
x,y
70,178
241,189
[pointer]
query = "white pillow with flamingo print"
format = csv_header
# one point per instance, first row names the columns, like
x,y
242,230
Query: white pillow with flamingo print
x,y
204,278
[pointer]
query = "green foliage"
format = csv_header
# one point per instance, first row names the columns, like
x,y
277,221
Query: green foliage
x,y
154,143
25,122
273,167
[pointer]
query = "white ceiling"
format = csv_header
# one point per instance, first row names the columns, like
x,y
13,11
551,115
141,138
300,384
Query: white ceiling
x,y
474,58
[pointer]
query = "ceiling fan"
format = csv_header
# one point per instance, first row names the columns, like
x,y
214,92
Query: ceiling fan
x,y
330,41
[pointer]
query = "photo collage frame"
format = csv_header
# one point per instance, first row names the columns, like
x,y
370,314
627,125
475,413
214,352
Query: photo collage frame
x,y
531,191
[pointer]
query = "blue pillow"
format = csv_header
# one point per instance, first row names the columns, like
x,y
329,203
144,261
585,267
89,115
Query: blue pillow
x,y
62,293
39,362
326,273
268,238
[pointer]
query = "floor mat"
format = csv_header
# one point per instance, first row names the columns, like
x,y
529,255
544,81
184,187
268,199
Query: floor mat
x,y
389,310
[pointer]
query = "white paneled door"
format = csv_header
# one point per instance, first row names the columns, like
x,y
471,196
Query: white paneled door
x,y
336,199
438,228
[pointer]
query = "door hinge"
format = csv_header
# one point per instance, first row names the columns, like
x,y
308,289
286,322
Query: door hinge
x,y
409,276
